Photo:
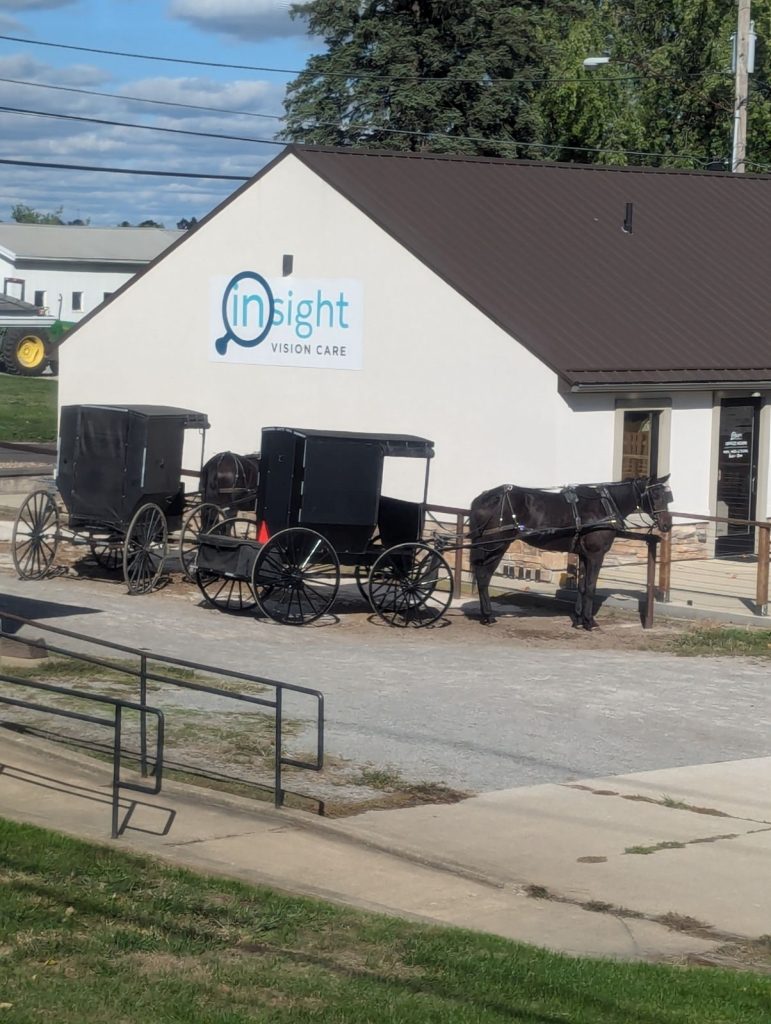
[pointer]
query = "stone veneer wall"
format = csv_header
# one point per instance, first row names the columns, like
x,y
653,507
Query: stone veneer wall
x,y
689,541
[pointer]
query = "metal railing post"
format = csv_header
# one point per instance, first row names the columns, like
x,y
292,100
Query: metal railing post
x,y
650,589
116,749
278,797
665,567
457,580
761,590
142,715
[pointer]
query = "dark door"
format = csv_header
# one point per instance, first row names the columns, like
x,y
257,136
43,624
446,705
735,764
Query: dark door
x,y
737,472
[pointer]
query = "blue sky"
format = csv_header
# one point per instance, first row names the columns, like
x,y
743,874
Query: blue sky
x,y
258,33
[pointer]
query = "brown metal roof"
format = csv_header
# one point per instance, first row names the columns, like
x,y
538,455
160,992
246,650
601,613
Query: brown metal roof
x,y
541,249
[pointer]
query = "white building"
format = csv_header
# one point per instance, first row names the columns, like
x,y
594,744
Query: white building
x,y
544,324
70,270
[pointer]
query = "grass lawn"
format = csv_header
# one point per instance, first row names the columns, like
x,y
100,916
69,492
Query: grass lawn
x,y
716,640
89,934
27,408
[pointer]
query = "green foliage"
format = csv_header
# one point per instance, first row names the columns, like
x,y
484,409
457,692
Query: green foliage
x,y
481,77
24,214
425,74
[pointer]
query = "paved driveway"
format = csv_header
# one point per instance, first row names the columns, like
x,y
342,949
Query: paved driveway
x,y
470,707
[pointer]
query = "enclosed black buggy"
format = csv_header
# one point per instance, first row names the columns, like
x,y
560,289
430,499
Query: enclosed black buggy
x,y
320,509
119,480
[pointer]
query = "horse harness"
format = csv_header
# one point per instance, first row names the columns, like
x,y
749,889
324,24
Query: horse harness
x,y
613,517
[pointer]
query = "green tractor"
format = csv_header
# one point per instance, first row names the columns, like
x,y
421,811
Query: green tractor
x,y
29,340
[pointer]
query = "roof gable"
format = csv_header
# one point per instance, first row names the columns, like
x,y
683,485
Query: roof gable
x,y
546,251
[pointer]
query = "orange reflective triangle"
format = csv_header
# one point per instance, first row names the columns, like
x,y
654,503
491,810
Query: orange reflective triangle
x,y
262,535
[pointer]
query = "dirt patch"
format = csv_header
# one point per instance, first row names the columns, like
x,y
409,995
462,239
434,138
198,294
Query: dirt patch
x,y
526,620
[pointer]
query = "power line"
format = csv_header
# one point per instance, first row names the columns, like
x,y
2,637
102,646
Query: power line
x,y
123,170
140,99
336,74
144,127
402,131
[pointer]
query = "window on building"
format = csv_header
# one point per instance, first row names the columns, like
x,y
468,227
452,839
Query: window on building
x,y
640,453
40,299
77,302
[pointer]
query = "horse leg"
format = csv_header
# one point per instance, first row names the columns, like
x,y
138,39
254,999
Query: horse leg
x,y
578,609
593,566
484,562
483,575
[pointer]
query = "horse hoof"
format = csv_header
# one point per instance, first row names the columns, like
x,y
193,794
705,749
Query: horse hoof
x,y
488,622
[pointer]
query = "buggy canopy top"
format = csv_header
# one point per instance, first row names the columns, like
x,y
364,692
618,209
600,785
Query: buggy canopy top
x,y
115,458
187,417
398,445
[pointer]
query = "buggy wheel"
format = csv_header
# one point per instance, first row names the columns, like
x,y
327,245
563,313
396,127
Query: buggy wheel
x,y
35,536
145,549
199,520
296,577
228,593
107,552
410,585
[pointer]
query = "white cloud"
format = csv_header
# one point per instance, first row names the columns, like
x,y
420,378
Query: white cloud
x,y
8,24
252,20
109,199
23,67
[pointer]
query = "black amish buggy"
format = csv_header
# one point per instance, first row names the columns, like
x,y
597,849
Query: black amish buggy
x,y
227,487
320,509
119,478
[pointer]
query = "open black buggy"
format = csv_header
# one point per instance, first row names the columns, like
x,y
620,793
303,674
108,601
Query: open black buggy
x,y
119,478
320,510
227,489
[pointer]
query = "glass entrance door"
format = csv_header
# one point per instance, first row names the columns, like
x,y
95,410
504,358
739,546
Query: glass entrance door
x,y
737,472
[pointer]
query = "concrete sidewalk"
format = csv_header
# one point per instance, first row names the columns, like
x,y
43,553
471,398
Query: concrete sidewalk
x,y
539,864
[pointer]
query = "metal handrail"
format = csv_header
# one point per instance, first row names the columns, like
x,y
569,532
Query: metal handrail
x,y
116,722
764,553
144,676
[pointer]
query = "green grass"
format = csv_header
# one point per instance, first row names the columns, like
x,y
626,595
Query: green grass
x,y
724,640
89,935
27,408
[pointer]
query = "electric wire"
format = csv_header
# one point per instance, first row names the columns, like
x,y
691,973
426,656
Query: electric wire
x,y
589,76
144,127
140,99
122,170
278,142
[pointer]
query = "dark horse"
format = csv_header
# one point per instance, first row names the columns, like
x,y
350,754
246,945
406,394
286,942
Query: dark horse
x,y
585,519
230,481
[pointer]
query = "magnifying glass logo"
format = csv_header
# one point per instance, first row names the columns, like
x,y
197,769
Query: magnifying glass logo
x,y
247,314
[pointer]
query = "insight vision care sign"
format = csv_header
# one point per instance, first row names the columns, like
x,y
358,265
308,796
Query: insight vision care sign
x,y
286,322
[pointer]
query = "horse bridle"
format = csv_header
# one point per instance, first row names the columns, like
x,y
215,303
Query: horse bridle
x,y
645,499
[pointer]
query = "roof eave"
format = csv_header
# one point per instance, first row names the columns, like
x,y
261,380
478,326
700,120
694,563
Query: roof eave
x,y
604,387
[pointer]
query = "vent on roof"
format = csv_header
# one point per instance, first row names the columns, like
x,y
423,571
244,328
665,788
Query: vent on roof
x,y
628,212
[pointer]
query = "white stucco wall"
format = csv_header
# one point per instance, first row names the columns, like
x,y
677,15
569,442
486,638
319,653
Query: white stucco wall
x,y
691,451
433,364
59,285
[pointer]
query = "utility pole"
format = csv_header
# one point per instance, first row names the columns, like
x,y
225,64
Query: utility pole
x,y
742,58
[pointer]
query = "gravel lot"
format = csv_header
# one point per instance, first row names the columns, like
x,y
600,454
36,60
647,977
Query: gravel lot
x,y
530,700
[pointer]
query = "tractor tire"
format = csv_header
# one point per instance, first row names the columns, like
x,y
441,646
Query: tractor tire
x,y
23,351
